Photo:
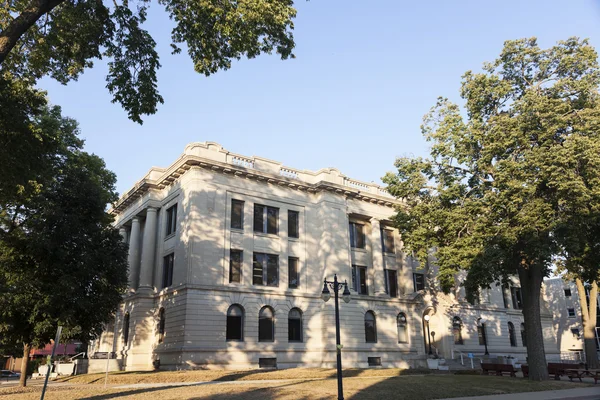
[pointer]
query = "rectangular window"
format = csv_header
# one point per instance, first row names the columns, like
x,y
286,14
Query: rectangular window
x,y
171,220
571,312
266,219
419,281
237,214
167,278
359,279
235,266
505,296
357,235
265,269
388,241
480,335
517,299
391,282
293,224
294,277
567,292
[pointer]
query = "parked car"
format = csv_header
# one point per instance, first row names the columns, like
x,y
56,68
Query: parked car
x,y
6,374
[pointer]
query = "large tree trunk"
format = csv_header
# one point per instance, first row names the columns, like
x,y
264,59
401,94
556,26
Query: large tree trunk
x,y
588,316
531,284
23,377
11,34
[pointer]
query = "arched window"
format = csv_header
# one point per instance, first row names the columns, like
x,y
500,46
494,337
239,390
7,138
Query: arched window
x,y
235,323
126,329
402,328
511,334
370,327
523,336
161,325
295,325
457,330
266,325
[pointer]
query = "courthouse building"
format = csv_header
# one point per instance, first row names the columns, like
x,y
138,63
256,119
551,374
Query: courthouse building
x,y
227,257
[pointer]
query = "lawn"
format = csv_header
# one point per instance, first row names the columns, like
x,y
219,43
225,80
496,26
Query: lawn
x,y
358,387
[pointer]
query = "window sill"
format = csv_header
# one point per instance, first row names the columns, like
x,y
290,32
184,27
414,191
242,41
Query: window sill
x,y
169,236
268,235
359,249
237,230
293,239
389,254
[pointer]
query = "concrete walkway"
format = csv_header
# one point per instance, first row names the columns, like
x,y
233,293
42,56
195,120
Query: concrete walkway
x,y
589,393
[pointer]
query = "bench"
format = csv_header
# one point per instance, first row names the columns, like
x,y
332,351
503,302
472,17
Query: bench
x,y
580,373
559,369
498,369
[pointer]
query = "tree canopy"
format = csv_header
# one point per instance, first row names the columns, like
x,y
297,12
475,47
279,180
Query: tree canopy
x,y
61,260
61,38
505,172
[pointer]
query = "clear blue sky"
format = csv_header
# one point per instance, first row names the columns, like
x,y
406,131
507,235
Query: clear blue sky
x,y
365,74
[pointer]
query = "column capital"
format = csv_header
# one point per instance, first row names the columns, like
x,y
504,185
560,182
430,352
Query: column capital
x,y
374,220
153,209
135,219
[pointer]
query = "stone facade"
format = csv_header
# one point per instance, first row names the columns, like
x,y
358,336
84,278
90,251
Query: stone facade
x,y
181,317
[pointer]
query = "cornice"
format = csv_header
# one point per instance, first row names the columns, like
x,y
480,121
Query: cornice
x,y
242,167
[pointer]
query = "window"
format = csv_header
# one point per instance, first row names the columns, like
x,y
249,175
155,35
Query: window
x,y
359,279
567,292
480,334
265,269
370,327
161,325
167,278
517,299
457,330
295,325
357,235
474,296
391,282
266,219
523,336
511,335
419,281
126,329
235,323
171,219
235,266
293,276
388,241
266,325
237,214
402,328
571,312
293,224
575,333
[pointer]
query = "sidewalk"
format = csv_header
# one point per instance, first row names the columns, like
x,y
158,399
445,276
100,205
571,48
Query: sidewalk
x,y
589,393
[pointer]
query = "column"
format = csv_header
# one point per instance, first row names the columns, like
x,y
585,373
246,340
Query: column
x,y
377,254
148,250
123,233
134,253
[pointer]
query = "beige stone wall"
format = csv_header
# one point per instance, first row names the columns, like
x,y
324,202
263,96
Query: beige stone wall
x,y
203,183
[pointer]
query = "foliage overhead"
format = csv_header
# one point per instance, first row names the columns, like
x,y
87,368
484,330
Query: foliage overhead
x,y
60,38
61,260
518,163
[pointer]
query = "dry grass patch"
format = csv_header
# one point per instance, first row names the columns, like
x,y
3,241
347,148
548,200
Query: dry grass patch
x,y
359,388
127,378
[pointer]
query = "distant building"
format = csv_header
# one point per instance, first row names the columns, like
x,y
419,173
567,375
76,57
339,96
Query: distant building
x,y
563,299
227,259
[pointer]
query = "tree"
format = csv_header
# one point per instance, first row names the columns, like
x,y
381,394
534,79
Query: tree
x,y
61,38
61,260
503,174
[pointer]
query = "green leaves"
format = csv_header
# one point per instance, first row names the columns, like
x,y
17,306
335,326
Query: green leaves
x,y
66,36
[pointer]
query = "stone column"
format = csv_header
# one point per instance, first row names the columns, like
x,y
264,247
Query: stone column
x,y
377,254
134,253
148,250
123,233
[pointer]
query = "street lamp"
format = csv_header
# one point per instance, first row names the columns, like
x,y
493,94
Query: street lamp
x,y
483,335
326,295
427,318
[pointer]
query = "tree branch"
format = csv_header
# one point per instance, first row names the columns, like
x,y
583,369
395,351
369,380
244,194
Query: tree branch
x,y
17,27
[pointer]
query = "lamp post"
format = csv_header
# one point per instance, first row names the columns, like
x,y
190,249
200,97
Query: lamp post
x,y
483,335
326,295
426,318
